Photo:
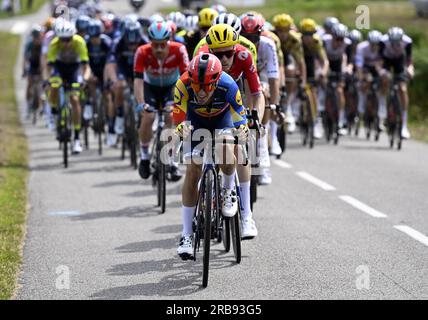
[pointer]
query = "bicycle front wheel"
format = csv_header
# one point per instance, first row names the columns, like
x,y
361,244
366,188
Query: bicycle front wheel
x,y
235,228
208,198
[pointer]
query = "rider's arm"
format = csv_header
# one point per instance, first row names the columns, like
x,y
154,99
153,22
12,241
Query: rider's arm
x,y
180,102
273,73
139,75
184,59
257,99
84,59
236,107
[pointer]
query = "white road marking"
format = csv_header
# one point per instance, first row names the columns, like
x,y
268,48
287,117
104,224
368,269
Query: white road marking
x,y
65,213
323,185
20,27
363,207
282,164
413,233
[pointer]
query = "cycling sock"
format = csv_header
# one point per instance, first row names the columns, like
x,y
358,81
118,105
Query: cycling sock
x,y
321,99
405,118
361,101
245,199
144,152
187,219
341,118
110,122
76,133
273,130
120,111
228,181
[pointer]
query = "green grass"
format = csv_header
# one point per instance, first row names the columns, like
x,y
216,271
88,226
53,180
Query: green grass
x,y
13,171
37,4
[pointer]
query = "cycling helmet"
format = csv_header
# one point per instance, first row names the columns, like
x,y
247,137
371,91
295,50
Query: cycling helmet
x,y
252,24
206,17
230,19
178,18
132,33
282,20
64,28
395,34
82,23
95,28
355,36
221,36
268,26
205,69
36,31
374,36
191,23
329,22
49,24
159,31
308,26
340,31
219,8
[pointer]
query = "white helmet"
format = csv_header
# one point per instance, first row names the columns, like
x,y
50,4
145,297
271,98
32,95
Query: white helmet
x,y
64,29
156,17
230,19
178,18
191,23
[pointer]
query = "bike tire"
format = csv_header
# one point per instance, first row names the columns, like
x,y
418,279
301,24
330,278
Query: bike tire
x,y
253,190
226,234
162,187
235,229
209,179
282,139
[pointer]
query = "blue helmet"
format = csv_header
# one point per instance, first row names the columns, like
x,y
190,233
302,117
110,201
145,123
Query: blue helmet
x,y
95,28
133,32
82,23
159,31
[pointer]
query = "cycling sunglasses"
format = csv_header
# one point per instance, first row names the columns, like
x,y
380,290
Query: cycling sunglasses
x,y
207,87
161,45
65,39
254,38
228,54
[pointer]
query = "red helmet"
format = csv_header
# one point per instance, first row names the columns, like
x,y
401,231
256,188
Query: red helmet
x,y
172,26
204,71
252,23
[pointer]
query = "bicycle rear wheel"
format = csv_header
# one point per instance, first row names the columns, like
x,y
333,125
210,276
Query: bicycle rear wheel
x,y
226,234
208,198
235,229
253,190
162,187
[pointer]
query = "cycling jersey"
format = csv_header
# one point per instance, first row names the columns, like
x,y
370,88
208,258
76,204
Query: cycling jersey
x,y
124,57
76,52
271,35
98,55
225,107
335,55
47,39
404,49
161,74
313,50
366,57
32,53
242,65
242,40
292,46
267,62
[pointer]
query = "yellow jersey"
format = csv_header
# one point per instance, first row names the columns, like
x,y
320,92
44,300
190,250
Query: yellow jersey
x,y
76,52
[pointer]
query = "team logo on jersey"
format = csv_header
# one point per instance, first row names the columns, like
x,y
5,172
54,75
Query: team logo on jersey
x,y
238,98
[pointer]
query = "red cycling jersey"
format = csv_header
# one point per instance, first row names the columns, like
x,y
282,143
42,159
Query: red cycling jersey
x,y
158,73
242,64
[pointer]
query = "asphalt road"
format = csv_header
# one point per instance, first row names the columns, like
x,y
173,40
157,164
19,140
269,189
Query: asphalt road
x,y
338,222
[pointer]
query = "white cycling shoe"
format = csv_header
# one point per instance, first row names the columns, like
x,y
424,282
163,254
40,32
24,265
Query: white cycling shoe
x,y
119,125
88,112
318,130
405,133
249,230
111,139
77,147
275,148
230,203
265,178
185,248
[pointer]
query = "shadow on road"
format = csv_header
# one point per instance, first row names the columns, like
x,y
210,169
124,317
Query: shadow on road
x,y
130,212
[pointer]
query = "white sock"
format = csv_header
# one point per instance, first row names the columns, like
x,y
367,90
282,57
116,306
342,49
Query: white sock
x,y
229,181
245,199
361,101
405,113
341,118
290,100
187,219
273,130
321,99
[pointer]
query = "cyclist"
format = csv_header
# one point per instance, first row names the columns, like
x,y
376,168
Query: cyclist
x,y
120,73
329,23
82,23
368,61
174,37
235,23
268,70
207,98
99,46
179,19
338,49
205,19
236,60
158,66
68,62
219,8
32,59
294,62
396,51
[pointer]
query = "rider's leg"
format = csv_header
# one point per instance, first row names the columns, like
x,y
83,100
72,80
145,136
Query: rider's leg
x,y
119,89
76,114
28,93
381,95
190,196
146,133
405,103
341,99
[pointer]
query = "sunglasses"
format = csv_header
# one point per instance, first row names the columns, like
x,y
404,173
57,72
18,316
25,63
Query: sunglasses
x,y
254,38
161,45
65,39
339,39
228,54
309,34
205,29
207,87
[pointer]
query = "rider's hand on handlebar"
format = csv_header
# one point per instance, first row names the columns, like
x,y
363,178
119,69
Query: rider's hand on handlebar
x,y
183,130
241,132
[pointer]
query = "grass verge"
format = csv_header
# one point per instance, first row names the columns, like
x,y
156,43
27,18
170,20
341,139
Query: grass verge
x,y
13,171
37,4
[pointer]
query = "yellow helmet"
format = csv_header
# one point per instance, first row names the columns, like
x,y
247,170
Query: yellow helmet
x,y
206,17
221,36
282,20
308,26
